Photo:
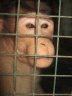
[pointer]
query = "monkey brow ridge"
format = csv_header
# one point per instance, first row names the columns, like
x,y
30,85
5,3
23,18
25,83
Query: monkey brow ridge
x,y
33,14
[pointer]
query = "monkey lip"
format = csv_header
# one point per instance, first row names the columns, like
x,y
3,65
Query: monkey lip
x,y
41,62
40,57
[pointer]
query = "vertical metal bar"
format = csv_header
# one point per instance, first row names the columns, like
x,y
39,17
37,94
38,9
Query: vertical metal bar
x,y
57,47
36,45
15,63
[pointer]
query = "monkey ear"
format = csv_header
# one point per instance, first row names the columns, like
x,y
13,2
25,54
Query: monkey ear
x,y
1,24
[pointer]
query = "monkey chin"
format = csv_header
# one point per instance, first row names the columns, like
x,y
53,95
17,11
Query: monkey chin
x,y
40,62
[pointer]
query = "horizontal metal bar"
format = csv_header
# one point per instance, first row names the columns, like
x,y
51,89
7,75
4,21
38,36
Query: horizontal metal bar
x,y
37,75
35,94
35,55
30,35
54,16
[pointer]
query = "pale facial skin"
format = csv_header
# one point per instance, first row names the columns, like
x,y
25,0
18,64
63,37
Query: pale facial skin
x,y
27,45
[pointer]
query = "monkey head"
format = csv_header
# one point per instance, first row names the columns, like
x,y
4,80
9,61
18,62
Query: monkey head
x,y
34,34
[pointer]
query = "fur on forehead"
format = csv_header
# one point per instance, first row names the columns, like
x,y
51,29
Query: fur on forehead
x,y
32,5
28,5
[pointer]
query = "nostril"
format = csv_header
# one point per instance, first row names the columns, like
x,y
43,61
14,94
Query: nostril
x,y
44,25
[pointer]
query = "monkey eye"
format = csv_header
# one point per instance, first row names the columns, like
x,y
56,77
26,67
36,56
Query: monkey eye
x,y
44,25
30,25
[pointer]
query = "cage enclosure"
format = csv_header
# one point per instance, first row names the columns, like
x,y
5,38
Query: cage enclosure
x,y
36,48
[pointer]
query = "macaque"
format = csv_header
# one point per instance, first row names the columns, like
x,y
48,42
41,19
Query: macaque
x,y
23,49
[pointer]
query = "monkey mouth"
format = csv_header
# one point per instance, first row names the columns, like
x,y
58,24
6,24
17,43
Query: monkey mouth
x,y
40,62
40,57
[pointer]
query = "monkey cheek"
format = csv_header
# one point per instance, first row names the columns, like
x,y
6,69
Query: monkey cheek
x,y
40,62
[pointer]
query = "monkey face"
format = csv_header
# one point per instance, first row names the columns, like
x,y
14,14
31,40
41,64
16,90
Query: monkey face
x,y
41,47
